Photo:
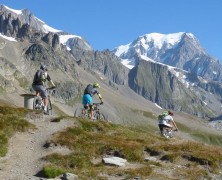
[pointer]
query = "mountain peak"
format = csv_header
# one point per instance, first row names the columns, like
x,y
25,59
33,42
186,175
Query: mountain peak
x,y
153,46
160,39
18,12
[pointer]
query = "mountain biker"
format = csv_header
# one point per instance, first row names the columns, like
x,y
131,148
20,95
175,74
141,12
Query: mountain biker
x,y
165,121
87,99
39,84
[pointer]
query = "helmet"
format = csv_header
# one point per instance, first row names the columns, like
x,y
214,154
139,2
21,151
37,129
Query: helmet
x,y
43,67
96,85
170,113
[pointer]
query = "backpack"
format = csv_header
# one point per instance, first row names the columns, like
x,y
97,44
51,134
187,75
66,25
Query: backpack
x,y
162,115
88,89
40,76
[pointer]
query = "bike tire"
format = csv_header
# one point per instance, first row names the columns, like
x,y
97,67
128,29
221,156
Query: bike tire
x,y
168,134
35,103
49,107
101,117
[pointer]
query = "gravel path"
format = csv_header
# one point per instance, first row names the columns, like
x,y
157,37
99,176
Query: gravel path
x,y
23,160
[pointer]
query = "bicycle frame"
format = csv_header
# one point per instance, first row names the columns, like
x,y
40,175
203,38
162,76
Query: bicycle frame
x,y
40,105
168,132
85,113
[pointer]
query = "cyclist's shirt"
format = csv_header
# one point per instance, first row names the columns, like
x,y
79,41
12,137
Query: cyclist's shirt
x,y
37,81
87,98
94,91
166,120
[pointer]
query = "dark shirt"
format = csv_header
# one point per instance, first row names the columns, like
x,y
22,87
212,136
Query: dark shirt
x,y
37,81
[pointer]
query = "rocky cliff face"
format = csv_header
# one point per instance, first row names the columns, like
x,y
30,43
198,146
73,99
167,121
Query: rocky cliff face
x,y
197,88
161,85
33,46
168,87
181,50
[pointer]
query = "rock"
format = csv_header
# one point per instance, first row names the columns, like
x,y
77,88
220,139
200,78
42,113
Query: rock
x,y
70,176
115,161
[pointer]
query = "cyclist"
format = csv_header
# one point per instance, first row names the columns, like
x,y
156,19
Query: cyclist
x,y
87,99
165,121
39,84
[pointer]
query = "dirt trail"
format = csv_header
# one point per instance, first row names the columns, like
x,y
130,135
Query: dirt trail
x,y
23,160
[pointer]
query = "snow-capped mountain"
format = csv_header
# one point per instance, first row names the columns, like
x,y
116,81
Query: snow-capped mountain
x,y
164,69
12,20
180,50
153,46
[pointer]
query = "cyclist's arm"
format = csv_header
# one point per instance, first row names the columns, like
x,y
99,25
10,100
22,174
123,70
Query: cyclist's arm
x,y
50,80
174,124
100,97
52,83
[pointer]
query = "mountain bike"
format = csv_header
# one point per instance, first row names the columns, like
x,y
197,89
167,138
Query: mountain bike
x,y
85,113
168,133
38,102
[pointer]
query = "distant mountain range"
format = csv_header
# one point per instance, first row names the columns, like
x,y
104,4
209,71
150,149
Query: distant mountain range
x,y
173,70
181,50
181,57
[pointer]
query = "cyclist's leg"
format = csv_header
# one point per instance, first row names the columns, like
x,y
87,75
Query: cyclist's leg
x,y
164,128
168,132
90,103
37,100
44,95
87,101
161,128
85,108
37,93
49,107
91,111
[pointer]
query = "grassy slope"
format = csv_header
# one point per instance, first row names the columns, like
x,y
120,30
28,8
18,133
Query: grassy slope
x,y
94,140
90,141
11,120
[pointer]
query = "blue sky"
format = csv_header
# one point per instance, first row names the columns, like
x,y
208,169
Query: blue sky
x,y
106,24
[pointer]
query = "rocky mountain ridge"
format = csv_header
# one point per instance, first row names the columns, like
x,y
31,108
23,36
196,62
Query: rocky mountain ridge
x,y
71,57
199,73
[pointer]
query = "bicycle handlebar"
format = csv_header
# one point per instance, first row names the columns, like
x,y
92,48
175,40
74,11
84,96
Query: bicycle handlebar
x,y
51,90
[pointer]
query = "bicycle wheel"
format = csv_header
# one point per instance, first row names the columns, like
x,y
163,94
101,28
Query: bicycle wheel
x,y
34,103
37,103
49,107
101,117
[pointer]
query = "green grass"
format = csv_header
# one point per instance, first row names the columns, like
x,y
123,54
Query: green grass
x,y
52,172
208,138
11,121
95,139
91,140
201,136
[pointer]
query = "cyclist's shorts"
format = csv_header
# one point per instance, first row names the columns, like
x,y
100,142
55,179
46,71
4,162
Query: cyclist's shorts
x,y
87,99
41,89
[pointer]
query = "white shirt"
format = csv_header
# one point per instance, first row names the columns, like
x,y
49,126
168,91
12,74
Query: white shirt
x,y
166,120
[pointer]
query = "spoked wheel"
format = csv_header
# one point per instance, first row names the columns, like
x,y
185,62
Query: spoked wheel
x,y
101,117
